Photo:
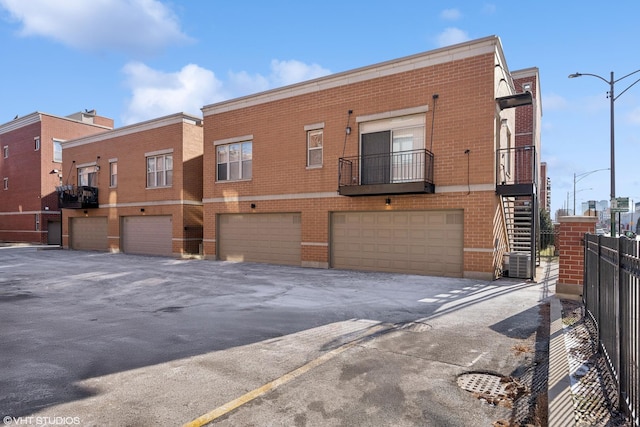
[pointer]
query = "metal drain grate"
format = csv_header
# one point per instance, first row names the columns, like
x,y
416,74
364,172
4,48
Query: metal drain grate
x,y
486,384
414,327
494,389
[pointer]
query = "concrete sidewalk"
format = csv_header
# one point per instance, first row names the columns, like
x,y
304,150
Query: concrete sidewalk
x,y
582,391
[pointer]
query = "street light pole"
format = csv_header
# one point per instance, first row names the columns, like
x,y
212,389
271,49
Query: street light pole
x,y
581,176
612,99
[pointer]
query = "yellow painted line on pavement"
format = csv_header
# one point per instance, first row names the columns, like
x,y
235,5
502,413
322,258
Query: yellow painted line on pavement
x,y
247,397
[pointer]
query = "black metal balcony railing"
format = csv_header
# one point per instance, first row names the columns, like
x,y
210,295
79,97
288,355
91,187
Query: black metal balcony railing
x,y
516,172
389,173
77,197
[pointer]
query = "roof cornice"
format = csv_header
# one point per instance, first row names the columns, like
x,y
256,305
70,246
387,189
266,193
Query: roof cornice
x,y
20,122
135,128
36,117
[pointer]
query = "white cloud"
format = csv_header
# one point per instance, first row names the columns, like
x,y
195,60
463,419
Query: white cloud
x,y
289,72
451,36
158,93
554,102
450,14
634,116
133,26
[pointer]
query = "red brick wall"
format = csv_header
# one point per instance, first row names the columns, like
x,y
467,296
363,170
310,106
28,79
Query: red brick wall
x,y
131,193
571,248
465,117
31,186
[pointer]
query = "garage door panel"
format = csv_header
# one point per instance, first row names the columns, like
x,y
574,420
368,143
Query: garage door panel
x,y
421,242
269,238
147,235
89,234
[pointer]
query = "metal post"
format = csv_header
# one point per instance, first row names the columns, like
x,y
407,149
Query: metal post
x,y
613,155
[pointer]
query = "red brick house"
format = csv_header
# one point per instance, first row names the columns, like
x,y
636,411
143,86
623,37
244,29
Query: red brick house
x,y
136,189
31,168
409,166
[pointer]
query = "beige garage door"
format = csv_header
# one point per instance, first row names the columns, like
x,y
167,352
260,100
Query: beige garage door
x,y
89,234
147,235
270,238
417,242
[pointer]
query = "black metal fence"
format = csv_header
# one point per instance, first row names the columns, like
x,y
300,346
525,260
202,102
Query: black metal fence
x,y
548,243
611,297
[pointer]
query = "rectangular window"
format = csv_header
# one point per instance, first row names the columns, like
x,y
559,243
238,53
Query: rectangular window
x,y
5,151
37,222
36,143
87,176
160,171
57,151
235,161
314,147
5,183
113,174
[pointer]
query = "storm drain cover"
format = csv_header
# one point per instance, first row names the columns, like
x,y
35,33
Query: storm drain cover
x,y
414,327
494,389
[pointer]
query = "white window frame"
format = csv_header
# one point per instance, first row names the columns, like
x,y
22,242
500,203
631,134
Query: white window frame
x,y
402,127
313,131
57,143
87,175
36,143
113,173
244,162
5,151
5,183
159,177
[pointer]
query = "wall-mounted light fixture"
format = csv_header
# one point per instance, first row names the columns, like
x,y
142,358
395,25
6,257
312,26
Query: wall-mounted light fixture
x,y
348,130
253,205
387,201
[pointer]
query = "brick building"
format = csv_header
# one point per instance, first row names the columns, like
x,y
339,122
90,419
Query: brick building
x,y
135,189
30,170
410,165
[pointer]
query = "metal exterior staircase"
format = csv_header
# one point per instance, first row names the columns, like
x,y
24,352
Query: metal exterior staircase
x,y
520,220
518,213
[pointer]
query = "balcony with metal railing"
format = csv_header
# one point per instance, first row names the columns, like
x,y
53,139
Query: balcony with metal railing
x,y
77,197
516,173
403,172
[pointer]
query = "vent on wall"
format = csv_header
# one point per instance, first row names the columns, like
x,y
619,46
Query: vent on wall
x,y
520,265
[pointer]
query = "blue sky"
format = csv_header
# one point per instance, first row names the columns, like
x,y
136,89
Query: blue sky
x,y
134,60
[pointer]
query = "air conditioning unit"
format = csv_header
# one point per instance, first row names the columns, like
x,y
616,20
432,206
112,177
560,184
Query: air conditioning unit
x,y
520,265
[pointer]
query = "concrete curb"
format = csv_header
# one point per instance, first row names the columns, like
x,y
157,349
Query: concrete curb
x,y
561,410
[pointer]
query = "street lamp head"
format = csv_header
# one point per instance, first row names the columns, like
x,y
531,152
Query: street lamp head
x,y
574,75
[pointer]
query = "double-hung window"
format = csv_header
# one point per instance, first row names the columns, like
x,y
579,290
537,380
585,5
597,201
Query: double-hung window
x,y
160,170
57,151
234,161
113,173
314,144
5,151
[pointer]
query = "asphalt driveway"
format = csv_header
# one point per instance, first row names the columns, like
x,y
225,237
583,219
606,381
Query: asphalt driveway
x,y
114,339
